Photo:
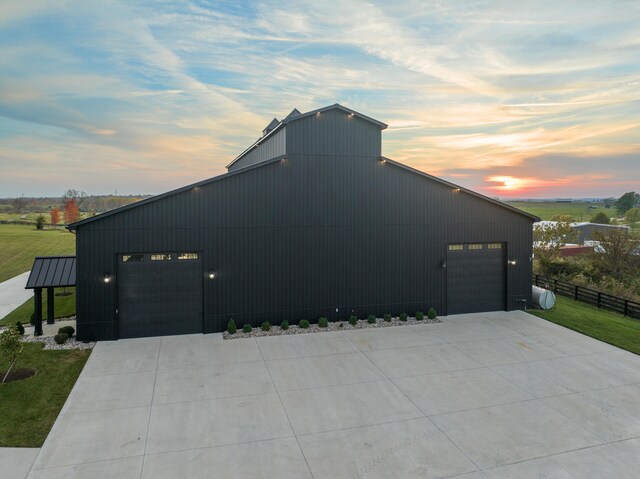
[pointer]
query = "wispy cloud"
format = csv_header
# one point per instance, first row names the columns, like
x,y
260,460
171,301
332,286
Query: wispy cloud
x,y
142,97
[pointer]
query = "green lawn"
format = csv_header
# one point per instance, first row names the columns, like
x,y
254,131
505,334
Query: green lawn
x,y
30,406
20,244
579,211
64,306
609,327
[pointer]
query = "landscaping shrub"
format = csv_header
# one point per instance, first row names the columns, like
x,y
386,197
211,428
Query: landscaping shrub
x,y
68,330
40,222
284,325
20,328
387,317
231,327
246,328
403,317
61,338
419,315
304,324
266,326
323,323
371,319
431,313
353,320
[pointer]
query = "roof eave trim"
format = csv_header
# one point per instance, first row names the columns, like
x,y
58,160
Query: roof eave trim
x,y
338,106
255,143
462,189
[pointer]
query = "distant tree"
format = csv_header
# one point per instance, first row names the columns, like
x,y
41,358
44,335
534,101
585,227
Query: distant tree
x,y
627,201
40,222
18,204
78,196
601,219
615,252
55,216
609,202
563,218
632,216
548,238
71,212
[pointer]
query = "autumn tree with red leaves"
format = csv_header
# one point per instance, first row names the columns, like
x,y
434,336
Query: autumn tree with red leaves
x,y
71,211
55,216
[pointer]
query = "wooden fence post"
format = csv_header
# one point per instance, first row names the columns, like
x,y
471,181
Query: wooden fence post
x,y
626,307
599,299
575,295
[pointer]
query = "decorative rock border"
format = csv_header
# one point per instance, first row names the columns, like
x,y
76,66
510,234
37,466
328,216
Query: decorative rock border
x,y
49,343
275,330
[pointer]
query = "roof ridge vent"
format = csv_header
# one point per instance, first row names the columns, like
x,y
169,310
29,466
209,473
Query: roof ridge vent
x,y
270,127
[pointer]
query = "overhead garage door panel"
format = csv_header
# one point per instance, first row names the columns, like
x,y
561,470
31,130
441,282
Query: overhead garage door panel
x,y
475,278
158,298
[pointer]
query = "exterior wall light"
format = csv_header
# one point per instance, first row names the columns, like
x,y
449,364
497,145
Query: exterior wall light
x,y
351,115
456,190
444,265
211,275
512,262
383,160
318,115
107,278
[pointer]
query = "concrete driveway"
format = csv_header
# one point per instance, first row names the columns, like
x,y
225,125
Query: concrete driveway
x,y
13,294
494,395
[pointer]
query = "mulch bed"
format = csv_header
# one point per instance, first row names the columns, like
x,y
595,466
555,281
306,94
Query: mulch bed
x,y
18,374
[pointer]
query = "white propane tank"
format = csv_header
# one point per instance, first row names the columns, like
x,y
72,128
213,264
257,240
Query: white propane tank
x,y
543,297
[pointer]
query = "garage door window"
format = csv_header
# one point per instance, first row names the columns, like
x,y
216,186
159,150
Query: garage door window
x,y
495,246
132,258
475,246
187,256
456,247
161,257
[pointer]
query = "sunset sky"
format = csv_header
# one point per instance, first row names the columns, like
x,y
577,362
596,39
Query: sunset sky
x,y
541,99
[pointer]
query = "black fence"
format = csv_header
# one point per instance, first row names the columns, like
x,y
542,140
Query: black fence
x,y
589,296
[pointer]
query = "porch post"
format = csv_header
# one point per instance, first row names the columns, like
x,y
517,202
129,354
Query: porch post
x,y
38,306
50,308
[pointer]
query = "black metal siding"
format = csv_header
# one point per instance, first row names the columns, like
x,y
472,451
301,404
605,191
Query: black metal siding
x,y
273,146
330,227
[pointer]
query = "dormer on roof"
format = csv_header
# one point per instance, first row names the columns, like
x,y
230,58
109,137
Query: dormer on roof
x,y
270,127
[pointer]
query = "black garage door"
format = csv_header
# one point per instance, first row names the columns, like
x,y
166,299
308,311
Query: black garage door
x,y
159,294
475,277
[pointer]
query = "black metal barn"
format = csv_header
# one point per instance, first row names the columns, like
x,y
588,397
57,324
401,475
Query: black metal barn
x,y
310,221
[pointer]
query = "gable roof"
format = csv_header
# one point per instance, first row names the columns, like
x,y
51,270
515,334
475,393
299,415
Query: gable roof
x,y
295,115
462,189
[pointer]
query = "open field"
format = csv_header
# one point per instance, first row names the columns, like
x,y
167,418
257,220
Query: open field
x,y
65,306
30,406
20,244
579,211
34,216
609,327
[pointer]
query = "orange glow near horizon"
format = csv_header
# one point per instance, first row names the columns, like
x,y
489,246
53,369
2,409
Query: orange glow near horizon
x,y
514,186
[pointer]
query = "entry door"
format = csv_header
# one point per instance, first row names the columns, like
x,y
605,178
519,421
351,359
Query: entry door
x,y
475,277
159,294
